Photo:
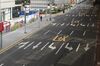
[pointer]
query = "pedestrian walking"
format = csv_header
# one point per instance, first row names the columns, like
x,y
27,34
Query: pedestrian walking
x,y
40,17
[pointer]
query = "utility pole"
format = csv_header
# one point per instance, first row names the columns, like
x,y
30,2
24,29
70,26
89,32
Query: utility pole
x,y
1,26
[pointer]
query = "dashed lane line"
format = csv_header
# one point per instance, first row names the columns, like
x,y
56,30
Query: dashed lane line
x,y
59,31
46,32
44,46
59,49
78,47
29,45
62,24
71,33
23,44
84,33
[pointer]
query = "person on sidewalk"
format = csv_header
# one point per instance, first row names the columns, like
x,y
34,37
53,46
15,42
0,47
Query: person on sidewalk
x,y
40,17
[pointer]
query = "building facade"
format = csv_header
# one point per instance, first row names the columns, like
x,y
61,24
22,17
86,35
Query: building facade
x,y
6,9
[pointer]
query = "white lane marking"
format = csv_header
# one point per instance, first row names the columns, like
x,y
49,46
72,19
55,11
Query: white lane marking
x,y
72,20
60,48
44,46
23,64
84,33
54,24
52,47
73,15
93,25
82,24
34,47
88,25
71,33
87,47
29,45
46,32
2,64
67,24
66,15
59,31
91,15
87,15
78,47
57,24
62,24
22,44
69,48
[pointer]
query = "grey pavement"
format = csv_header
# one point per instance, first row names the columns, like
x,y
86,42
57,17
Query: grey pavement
x,y
13,37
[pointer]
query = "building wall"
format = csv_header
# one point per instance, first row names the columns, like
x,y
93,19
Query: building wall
x,y
7,3
39,3
61,1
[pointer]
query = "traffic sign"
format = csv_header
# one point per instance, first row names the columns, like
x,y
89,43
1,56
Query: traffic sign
x,y
1,26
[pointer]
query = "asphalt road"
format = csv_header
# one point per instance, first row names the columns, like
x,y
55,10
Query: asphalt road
x,y
41,50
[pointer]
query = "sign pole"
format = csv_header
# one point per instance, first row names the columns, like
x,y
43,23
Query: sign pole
x,y
1,31
0,39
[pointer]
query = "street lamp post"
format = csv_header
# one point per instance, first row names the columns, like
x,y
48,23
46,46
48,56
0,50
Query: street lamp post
x,y
25,20
49,7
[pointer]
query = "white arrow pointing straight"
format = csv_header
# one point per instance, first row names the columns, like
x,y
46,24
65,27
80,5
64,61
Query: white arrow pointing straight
x,y
34,47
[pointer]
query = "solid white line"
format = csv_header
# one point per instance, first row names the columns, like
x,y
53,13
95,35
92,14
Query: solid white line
x,y
78,47
59,31
44,46
71,33
84,33
28,45
46,32
2,64
60,48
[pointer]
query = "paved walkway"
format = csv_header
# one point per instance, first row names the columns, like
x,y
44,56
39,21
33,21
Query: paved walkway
x,y
11,38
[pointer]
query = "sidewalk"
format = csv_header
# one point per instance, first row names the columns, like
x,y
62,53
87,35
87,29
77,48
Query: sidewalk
x,y
12,38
